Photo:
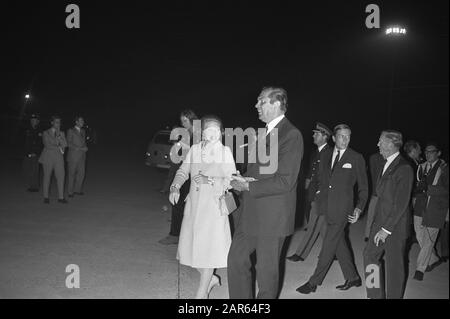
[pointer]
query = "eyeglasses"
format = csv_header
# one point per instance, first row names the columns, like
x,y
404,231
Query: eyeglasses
x,y
431,151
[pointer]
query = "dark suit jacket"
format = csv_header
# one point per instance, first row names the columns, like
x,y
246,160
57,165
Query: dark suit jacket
x,y
436,207
268,208
394,193
376,165
336,199
76,141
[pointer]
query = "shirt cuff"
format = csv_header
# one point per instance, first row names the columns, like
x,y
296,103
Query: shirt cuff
x,y
387,231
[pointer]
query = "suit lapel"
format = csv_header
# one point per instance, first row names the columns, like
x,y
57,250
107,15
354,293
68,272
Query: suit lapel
x,y
386,174
340,162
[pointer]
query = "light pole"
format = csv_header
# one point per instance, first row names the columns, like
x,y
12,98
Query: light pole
x,y
393,32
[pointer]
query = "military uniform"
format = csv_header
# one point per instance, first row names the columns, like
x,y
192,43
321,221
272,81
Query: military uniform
x,y
316,222
33,148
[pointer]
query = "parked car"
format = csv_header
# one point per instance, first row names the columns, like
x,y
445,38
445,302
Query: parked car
x,y
158,151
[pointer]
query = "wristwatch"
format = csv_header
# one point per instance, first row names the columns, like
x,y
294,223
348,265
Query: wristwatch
x,y
175,188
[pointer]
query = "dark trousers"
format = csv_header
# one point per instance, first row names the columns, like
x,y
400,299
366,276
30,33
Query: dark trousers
x,y
393,251
178,210
31,171
268,251
316,226
334,244
370,215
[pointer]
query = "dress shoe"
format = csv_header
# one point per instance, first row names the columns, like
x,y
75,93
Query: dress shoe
x,y
70,195
418,275
295,258
169,240
46,201
79,193
434,265
306,288
349,284
63,201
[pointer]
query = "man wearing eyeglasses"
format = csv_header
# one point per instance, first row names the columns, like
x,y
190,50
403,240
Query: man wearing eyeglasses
x,y
431,208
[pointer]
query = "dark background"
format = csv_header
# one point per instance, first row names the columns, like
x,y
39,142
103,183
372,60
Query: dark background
x,y
134,65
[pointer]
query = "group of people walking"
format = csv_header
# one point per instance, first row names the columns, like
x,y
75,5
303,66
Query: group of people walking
x,y
338,189
48,148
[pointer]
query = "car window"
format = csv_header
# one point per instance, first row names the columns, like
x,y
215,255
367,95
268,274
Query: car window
x,y
162,139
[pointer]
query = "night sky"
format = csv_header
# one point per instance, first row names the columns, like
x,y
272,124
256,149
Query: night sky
x,y
134,65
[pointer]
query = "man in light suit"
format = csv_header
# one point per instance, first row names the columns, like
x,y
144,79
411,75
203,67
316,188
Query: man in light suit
x,y
76,156
267,211
340,171
391,225
52,158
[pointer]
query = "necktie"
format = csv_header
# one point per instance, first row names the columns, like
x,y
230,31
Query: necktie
x,y
427,171
336,160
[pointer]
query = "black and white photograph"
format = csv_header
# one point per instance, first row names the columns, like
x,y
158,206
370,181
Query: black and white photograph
x,y
231,150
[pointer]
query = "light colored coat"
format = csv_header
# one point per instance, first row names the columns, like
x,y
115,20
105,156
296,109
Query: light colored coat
x,y
205,236
76,141
54,146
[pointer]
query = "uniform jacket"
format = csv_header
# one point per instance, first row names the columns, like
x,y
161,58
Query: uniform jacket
x,y
33,141
313,173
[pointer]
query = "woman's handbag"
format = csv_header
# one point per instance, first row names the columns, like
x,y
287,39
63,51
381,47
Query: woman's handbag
x,y
227,203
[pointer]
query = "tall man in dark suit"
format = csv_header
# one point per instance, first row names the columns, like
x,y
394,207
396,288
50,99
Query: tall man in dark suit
x,y
390,227
376,164
76,157
340,171
33,148
316,224
268,202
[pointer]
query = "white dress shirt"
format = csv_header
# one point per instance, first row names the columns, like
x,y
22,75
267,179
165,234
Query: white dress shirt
x,y
335,152
270,126
321,147
389,161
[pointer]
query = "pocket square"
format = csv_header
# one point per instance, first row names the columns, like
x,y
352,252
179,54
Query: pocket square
x,y
347,165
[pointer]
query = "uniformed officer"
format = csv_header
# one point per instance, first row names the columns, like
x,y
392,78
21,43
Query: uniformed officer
x,y
316,224
33,148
